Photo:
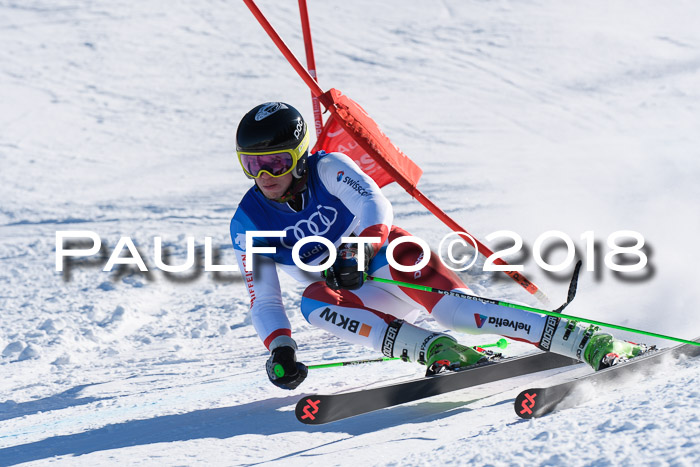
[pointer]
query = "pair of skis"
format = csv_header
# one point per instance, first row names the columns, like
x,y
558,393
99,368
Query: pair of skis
x,y
534,402
318,409
530,403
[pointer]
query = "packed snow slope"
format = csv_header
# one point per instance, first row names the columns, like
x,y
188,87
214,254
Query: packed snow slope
x,y
119,118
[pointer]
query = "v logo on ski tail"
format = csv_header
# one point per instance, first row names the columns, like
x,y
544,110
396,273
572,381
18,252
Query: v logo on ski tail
x,y
480,320
525,403
310,409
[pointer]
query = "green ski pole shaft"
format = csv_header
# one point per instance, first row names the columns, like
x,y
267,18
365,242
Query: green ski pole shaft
x,y
279,371
556,313
352,362
501,344
613,326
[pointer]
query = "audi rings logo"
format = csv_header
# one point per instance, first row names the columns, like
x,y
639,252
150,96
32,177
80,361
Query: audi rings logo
x,y
318,223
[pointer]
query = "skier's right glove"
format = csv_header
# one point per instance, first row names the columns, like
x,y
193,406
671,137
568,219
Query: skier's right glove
x,y
283,369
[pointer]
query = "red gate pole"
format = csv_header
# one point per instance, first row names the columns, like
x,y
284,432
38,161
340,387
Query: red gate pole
x,y
316,90
310,63
403,181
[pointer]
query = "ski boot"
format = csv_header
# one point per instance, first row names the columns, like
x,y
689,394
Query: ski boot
x,y
447,354
438,351
599,350
604,351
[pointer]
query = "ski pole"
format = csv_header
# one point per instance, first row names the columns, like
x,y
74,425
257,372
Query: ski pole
x,y
351,362
557,312
570,295
279,371
501,344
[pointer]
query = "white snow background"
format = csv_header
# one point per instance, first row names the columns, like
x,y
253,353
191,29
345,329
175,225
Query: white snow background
x,y
119,117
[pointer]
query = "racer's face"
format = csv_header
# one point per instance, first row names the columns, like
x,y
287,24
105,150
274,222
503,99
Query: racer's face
x,y
273,187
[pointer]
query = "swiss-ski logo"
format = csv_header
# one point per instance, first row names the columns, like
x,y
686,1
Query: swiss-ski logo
x,y
354,184
480,319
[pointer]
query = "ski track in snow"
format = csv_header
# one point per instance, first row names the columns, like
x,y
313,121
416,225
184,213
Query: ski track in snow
x,y
120,117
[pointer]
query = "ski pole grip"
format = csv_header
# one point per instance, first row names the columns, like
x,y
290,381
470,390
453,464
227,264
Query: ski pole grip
x,y
279,370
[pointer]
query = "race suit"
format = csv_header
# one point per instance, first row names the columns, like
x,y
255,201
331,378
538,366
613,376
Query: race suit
x,y
341,200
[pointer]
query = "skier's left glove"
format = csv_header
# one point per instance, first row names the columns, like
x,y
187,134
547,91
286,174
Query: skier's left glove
x,y
344,274
283,369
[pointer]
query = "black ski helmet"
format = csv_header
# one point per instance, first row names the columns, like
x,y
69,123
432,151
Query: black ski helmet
x,y
274,126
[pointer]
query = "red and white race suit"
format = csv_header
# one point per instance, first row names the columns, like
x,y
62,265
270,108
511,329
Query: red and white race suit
x,y
341,200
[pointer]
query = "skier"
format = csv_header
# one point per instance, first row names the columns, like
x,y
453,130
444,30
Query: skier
x,y
328,195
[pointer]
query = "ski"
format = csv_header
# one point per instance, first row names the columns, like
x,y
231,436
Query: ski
x,y
536,402
317,409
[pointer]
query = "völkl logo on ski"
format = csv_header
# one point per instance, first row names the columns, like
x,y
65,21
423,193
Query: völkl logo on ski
x,y
310,409
528,403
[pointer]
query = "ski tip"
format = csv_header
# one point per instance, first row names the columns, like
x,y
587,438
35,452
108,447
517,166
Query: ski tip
x,y
526,404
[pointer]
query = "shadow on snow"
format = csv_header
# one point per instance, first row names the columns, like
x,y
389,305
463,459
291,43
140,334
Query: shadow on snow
x,y
64,400
259,417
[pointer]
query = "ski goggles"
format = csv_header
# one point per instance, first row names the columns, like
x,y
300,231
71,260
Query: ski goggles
x,y
274,163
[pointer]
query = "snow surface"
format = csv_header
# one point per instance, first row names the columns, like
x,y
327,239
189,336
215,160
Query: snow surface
x,y
119,117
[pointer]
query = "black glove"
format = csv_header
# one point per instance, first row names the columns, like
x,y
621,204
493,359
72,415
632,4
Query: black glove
x,y
283,369
343,274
